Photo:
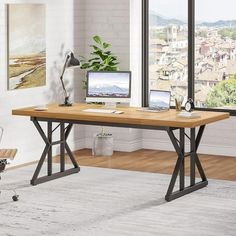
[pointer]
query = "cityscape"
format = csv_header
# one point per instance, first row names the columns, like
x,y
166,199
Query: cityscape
x,y
215,60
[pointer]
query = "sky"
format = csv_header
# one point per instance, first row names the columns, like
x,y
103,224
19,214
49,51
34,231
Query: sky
x,y
27,28
206,10
119,79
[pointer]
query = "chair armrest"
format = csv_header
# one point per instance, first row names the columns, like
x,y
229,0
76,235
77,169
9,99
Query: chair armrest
x,y
7,153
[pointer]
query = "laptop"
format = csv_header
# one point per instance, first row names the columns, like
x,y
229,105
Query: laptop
x,y
159,101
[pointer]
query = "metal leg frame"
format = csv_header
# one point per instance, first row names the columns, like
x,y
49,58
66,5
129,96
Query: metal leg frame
x,y
64,133
179,146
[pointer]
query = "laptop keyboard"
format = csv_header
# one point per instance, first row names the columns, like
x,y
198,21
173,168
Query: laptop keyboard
x,y
157,108
152,109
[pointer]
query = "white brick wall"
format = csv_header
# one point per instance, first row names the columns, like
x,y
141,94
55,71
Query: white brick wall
x,y
110,20
19,131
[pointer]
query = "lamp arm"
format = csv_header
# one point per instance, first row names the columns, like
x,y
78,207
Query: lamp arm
x,y
63,86
62,74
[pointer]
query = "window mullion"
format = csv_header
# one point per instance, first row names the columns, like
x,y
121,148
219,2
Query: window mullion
x,y
191,47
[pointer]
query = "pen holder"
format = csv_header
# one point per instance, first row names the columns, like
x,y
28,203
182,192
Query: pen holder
x,y
178,103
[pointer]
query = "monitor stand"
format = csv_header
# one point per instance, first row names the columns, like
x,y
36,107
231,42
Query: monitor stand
x,y
110,105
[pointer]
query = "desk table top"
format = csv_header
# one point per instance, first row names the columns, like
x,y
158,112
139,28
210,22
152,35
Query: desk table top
x,y
131,116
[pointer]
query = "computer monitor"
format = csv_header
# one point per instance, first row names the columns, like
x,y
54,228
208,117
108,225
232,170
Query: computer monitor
x,y
110,87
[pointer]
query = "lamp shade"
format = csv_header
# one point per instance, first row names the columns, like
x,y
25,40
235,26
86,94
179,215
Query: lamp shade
x,y
72,62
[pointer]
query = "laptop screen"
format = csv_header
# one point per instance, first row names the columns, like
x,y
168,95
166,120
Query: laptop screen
x,y
159,99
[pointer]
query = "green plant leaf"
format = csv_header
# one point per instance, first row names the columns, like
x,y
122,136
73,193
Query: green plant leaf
x,y
100,54
95,63
97,39
113,64
94,59
96,48
106,45
108,52
85,66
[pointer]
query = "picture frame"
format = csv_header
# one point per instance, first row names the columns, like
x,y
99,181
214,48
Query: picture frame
x,y
26,46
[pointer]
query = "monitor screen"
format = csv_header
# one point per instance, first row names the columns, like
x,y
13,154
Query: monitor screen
x,y
108,84
158,98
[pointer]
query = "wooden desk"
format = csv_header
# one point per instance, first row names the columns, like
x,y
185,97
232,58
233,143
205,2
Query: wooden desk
x,y
65,117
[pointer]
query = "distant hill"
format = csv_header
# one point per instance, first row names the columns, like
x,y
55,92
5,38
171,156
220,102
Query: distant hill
x,y
159,103
220,23
108,89
156,20
29,46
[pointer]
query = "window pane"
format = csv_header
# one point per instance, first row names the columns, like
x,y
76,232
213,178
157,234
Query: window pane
x,y
215,59
168,46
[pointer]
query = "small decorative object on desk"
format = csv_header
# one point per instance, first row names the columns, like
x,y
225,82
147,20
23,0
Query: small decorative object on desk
x,y
102,144
178,102
189,105
189,115
41,108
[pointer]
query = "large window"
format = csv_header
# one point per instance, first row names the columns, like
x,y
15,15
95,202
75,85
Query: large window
x,y
168,46
215,54
192,50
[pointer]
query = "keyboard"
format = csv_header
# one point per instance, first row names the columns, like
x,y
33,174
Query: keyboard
x,y
100,111
149,109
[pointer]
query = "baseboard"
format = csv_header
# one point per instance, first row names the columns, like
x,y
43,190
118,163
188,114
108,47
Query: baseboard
x,y
217,150
155,144
22,165
120,145
78,144
203,148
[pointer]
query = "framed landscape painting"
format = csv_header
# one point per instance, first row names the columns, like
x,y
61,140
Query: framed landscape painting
x,y
26,45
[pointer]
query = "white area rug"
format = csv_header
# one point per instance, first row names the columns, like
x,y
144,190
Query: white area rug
x,y
109,202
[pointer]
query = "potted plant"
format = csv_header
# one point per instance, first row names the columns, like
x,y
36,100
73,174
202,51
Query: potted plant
x,y
102,59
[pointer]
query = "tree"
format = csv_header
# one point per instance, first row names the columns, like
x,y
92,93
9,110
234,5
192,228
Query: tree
x,y
228,33
202,34
224,94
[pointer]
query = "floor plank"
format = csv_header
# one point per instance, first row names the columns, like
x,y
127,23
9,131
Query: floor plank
x,y
216,167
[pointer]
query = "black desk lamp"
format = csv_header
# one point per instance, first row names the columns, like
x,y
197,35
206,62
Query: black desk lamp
x,y
70,62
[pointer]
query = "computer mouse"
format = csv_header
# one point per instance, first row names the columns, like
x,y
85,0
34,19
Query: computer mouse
x,y
118,112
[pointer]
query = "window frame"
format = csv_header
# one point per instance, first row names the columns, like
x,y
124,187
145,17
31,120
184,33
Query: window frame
x,y
191,56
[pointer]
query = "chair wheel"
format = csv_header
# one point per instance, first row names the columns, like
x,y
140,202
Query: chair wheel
x,y
15,198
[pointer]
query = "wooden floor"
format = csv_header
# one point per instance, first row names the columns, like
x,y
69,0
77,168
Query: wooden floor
x,y
216,167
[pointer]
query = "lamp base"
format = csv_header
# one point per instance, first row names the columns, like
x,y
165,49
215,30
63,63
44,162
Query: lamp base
x,y
65,105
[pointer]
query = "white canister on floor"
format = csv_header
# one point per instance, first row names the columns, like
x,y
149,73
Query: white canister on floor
x,y
102,144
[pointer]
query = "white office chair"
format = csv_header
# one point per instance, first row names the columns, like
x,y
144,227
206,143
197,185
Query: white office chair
x,y
6,154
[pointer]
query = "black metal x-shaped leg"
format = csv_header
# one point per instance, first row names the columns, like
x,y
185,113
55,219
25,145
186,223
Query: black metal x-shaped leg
x,y
64,133
179,169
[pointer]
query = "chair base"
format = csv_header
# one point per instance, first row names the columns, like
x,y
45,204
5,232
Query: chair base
x,y
3,163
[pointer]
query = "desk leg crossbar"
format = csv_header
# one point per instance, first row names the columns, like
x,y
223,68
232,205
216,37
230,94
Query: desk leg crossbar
x,y
64,133
179,146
